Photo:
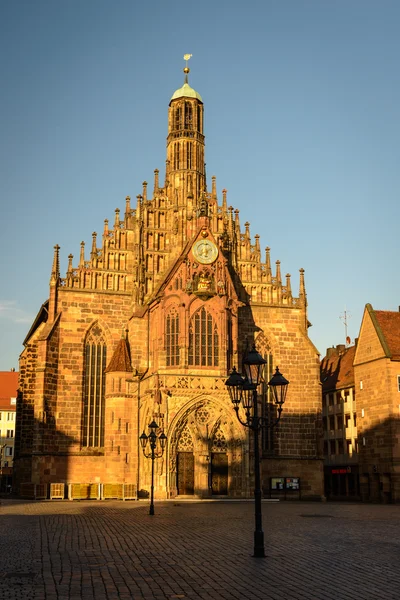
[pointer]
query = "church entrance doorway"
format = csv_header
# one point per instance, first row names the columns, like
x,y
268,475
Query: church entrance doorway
x,y
219,473
185,473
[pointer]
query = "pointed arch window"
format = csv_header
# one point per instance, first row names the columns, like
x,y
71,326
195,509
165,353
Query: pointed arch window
x,y
94,388
178,118
172,338
188,115
203,340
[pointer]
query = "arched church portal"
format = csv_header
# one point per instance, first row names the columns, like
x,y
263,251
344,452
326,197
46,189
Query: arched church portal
x,y
207,452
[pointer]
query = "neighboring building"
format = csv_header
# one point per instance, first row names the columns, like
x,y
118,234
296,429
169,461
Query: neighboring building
x,y
377,384
339,417
8,402
148,326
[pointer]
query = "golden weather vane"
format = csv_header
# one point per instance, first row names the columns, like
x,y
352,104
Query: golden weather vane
x,y
187,57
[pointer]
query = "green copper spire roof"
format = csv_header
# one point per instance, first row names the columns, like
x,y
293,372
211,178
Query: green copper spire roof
x,y
186,91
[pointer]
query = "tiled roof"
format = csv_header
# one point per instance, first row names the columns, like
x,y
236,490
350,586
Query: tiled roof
x,y
5,404
8,384
337,369
121,360
389,323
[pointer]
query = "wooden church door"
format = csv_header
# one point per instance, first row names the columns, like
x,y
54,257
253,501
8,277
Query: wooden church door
x,y
185,473
185,464
219,465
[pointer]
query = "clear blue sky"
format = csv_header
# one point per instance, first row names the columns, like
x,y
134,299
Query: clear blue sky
x,y
302,101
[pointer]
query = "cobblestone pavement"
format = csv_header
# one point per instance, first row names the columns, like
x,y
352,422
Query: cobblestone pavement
x,y
116,550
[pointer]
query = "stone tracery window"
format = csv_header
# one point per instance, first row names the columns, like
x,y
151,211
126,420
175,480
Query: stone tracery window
x,y
203,340
172,338
185,443
94,388
219,443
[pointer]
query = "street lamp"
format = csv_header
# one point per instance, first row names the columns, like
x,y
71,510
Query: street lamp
x,y
243,391
154,453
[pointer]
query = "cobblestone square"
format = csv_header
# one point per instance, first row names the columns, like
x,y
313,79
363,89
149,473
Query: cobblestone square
x,y
116,550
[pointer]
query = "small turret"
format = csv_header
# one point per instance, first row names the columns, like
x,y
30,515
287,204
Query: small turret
x,y
55,270
116,220
70,257
268,271
156,184
82,256
224,202
54,283
214,187
127,207
93,253
278,272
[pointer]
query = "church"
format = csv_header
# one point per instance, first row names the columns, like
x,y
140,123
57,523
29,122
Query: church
x,y
146,326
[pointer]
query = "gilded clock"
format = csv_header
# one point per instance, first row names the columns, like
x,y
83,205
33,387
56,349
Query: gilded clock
x,y
205,252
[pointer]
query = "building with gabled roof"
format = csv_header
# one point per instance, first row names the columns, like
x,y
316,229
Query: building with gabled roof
x,y
189,290
377,384
339,417
8,405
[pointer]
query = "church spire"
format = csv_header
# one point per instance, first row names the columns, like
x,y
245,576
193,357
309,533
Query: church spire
x,y
185,174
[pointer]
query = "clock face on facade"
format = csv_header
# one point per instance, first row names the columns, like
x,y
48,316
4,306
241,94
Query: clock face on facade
x,y
205,252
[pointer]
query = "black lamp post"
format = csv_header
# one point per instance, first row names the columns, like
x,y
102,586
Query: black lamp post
x,y
154,453
243,391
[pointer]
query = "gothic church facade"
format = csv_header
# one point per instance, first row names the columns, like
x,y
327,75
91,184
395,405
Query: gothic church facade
x,y
148,326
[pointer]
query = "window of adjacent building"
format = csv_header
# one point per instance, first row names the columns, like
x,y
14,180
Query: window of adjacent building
x,y
332,447
172,338
398,383
340,446
9,451
325,423
339,421
331,422
203,340
355,419
331,399
94,388
346,395
10,433
10,416
325,448
347,418
348,446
